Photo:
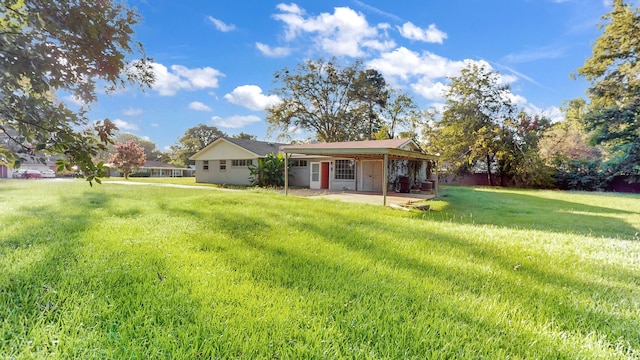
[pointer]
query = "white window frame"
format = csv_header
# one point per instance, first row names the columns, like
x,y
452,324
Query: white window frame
x,y
241,163
344,169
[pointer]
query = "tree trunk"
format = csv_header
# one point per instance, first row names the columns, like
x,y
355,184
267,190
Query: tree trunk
x,y
490,178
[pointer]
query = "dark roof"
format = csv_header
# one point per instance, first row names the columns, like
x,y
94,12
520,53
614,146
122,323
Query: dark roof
x,y
260,148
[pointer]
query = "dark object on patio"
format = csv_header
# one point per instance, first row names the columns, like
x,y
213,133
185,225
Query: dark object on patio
x,y
404,184
427,186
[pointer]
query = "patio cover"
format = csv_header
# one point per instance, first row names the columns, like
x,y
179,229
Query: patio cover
x,y
384,150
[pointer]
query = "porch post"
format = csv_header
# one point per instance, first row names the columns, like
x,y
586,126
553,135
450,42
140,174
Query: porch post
x,y
436,180
385,176
286,173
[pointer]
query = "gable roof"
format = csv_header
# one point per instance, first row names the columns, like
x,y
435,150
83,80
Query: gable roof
x,y
367,149
257,148
260,148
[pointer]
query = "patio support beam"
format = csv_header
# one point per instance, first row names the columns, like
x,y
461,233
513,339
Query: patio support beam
x,y
385,176
286,173
436,185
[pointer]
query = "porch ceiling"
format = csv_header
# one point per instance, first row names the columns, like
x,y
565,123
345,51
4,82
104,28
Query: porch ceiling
x,y
364,154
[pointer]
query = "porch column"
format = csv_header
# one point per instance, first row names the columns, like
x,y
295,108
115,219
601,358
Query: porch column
x,y
385,176
436,180
286,173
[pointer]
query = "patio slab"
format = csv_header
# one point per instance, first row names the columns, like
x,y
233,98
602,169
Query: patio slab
x,y
374,198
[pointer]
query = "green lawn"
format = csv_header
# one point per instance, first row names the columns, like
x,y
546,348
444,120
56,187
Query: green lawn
x,y
141,272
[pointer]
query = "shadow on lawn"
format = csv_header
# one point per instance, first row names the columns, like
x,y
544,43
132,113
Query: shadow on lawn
x,y
45,293
528,211
540,295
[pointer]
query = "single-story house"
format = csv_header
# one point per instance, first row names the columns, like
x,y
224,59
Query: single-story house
x,y
152,168
227,160
372,165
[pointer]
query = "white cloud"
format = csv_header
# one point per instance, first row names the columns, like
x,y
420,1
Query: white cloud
x,y
291,8
196,105
168,83
273,51
155,125
251,97
72,99
404,63
235,122
431,34
220,25
429,89
123,125
132,111
343,33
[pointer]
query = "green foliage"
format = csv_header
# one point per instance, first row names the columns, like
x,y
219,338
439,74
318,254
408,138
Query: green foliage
x,y
614,116
269,171
319,97
339,103
90,40
474,125
127,157
370,88
245,136
124,272
581,174
193,140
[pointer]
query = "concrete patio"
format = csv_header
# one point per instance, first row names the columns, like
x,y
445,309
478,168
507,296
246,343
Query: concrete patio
x,y
375,198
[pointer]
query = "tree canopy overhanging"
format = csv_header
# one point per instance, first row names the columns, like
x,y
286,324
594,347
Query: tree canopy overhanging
x,y
54,47
614,111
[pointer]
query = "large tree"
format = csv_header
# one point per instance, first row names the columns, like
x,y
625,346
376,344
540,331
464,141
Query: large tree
x,y
193,140
53,47
370,88
399,116
614,93
127,157
320,97
474,128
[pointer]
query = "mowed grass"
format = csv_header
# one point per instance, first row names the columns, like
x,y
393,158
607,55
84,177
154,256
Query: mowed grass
x,y
118,271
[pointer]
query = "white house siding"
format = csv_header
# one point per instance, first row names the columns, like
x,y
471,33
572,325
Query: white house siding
x,y
341,184
299,175
230,176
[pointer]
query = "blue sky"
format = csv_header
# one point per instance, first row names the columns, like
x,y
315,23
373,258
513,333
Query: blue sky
x,y
214,60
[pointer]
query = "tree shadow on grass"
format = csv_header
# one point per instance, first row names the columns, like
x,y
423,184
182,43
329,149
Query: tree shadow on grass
x,y
572,303
60,293
366,265
527,211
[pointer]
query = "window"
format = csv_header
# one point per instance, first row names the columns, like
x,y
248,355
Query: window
x,y
241,163
205,165
223,165
345,170
298,163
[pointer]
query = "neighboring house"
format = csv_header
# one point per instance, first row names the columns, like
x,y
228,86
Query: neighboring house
x,y
371,165
7,172
227,160
355,166
156,169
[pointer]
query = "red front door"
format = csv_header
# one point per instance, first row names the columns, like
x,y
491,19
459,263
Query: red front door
x,y
324,184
